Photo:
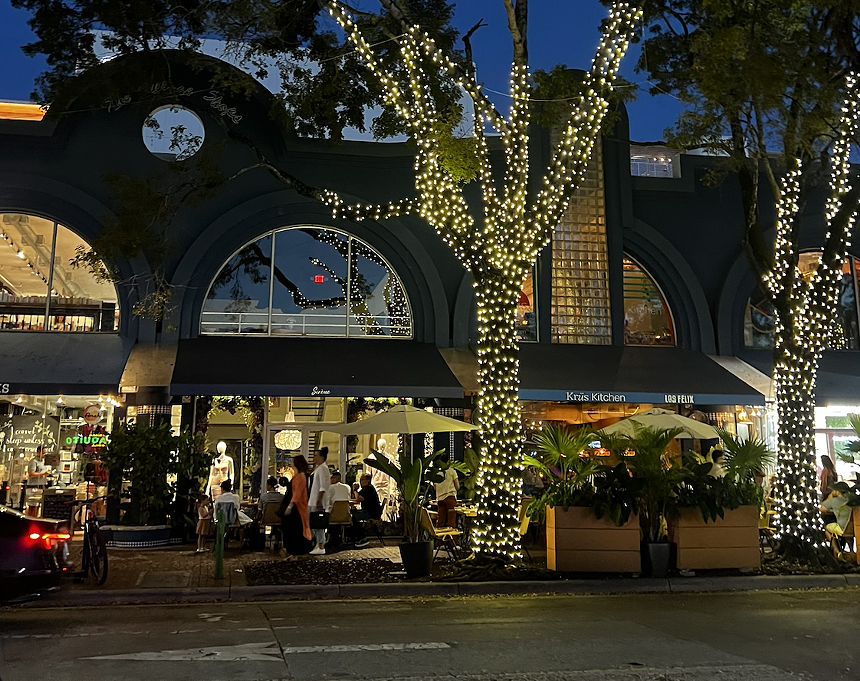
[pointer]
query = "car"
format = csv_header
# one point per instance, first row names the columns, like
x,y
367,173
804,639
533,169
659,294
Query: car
x,y
34,554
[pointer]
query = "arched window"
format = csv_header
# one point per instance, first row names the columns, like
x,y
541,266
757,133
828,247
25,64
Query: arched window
x,y
35,259
760,317
647,318
307,281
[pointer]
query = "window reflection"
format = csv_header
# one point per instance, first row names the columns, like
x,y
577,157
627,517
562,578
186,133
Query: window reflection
x,y
78,301
760,318
526,317
323,283
647,320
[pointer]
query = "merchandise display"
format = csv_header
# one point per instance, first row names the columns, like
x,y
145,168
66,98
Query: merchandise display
x,y
220,470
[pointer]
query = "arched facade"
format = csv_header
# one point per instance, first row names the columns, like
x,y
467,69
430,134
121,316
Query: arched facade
x,y
648,319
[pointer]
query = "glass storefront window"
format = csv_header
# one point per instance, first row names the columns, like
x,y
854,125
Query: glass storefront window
x,y
760,317
527,309
647,318
74,430
305,281
35,256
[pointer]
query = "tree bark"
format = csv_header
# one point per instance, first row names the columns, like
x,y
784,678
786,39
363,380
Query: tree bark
x,y
497,531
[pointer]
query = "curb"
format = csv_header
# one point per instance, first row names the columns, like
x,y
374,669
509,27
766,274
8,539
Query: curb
x,y
329,592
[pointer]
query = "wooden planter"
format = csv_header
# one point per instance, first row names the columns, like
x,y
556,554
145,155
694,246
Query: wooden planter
x,y
576,541
730,542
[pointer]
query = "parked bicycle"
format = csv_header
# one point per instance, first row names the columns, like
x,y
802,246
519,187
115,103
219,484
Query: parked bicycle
x,y
94,557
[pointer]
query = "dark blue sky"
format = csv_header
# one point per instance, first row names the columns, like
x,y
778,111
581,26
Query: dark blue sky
x,y
560,31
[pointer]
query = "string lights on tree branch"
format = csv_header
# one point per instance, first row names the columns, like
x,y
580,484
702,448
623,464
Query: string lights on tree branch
x,y
502,247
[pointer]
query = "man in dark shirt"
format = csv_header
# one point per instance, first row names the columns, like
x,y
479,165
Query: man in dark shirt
x,y
370,509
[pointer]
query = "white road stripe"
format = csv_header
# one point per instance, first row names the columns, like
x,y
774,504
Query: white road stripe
x,y
365,647
247,651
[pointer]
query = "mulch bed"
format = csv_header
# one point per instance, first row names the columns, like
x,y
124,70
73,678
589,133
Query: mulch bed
x,y
357,571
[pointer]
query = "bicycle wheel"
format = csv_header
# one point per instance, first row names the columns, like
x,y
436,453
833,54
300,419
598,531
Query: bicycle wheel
x,y
98,556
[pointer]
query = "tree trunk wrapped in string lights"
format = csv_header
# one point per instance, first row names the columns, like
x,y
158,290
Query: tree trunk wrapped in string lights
x,y
501,248
804,309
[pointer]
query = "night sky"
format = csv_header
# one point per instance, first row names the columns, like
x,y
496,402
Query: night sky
x,y
560,31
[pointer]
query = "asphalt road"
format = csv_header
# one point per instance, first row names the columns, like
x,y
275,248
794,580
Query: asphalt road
x,y
766,636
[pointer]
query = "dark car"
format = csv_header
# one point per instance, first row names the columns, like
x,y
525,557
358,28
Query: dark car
x,y
34,553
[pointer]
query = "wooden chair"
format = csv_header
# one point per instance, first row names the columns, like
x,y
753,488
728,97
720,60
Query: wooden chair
x,y
340,516
270,519
443,536
766,532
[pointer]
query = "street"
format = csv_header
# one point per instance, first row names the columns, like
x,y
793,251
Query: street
x,y
760,636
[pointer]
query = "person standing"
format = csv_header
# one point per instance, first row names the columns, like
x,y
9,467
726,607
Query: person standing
x,y
295,529
204,520
446,498
828,477
316,498
37,478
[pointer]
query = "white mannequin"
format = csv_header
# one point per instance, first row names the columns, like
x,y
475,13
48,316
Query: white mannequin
x,y
381,482
220,470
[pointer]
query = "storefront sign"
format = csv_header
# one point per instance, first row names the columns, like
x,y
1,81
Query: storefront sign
x,y
630,397
4,388
26,433
316,390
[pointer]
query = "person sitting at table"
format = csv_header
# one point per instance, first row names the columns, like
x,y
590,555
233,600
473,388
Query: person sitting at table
x,y
271,493
838,506
231,504
338,491
446,498
370,509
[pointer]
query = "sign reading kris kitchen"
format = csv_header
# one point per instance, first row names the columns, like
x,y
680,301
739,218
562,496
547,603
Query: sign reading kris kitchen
x,y
602,396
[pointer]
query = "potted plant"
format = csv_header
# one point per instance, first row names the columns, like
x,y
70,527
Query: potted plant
x,y
145,462
589,506
409,476
718,518
660,477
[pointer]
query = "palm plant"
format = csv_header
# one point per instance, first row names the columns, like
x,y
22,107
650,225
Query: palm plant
x,y
569,475
660,477
409,476
745,459
849,451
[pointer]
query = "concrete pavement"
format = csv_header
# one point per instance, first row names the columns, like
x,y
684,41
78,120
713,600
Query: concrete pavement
x,y
762,636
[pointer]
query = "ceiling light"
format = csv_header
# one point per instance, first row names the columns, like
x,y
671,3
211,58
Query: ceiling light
x,y
21,254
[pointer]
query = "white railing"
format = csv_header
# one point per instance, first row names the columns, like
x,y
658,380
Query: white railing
x,y
216,323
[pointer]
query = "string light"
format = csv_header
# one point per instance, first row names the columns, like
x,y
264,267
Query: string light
x,y
803,334
502,249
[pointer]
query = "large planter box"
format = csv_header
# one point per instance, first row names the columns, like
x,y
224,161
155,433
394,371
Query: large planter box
x,y
730,542
138,537
576,541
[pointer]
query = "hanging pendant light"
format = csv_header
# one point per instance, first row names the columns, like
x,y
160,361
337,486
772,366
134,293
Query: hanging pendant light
x,y
289,439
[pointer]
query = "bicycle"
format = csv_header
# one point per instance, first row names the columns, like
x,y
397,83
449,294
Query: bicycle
x,y
94,558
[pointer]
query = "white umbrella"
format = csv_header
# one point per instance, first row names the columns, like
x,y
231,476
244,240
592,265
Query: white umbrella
x,y
663,418
403,419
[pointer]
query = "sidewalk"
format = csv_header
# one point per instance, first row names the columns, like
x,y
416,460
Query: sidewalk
x,y
178,574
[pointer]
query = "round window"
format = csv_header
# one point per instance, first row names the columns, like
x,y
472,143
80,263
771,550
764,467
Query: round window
x,y
173,133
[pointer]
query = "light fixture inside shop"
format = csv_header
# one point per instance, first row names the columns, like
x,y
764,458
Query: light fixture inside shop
x,y
287,440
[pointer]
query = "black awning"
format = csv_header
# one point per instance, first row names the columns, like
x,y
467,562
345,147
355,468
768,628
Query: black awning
x,y
611,373
46,363
337,367
838,379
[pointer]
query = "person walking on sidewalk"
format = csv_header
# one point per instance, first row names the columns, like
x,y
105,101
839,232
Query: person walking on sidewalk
x,y
316,498
294,513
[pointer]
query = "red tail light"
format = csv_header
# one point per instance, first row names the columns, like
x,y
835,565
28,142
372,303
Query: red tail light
x,y
50,537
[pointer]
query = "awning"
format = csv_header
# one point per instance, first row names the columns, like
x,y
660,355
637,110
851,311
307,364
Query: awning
x,y
46,363
837,381
336,367
149,366
616,374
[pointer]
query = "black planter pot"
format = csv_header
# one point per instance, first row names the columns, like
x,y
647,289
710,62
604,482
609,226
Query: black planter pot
x,y
655,558
417,558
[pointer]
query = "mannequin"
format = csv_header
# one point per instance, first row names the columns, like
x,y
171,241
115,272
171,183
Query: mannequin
x,y
383,483
220,470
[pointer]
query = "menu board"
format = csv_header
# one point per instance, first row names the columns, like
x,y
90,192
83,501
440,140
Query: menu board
x,y
57,504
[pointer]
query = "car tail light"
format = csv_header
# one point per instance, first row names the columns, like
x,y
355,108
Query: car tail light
x,y
50,537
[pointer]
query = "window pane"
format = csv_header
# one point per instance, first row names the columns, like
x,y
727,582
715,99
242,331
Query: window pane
x,y
309,292
844,335
526,317
647,320
376,298
238,301
79,302
759,323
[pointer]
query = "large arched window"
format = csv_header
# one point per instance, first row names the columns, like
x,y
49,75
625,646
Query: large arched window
x,y
647,318
307,281
35,259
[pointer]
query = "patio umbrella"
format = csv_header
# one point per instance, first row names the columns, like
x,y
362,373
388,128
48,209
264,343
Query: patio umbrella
x,y
663,418
403,419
